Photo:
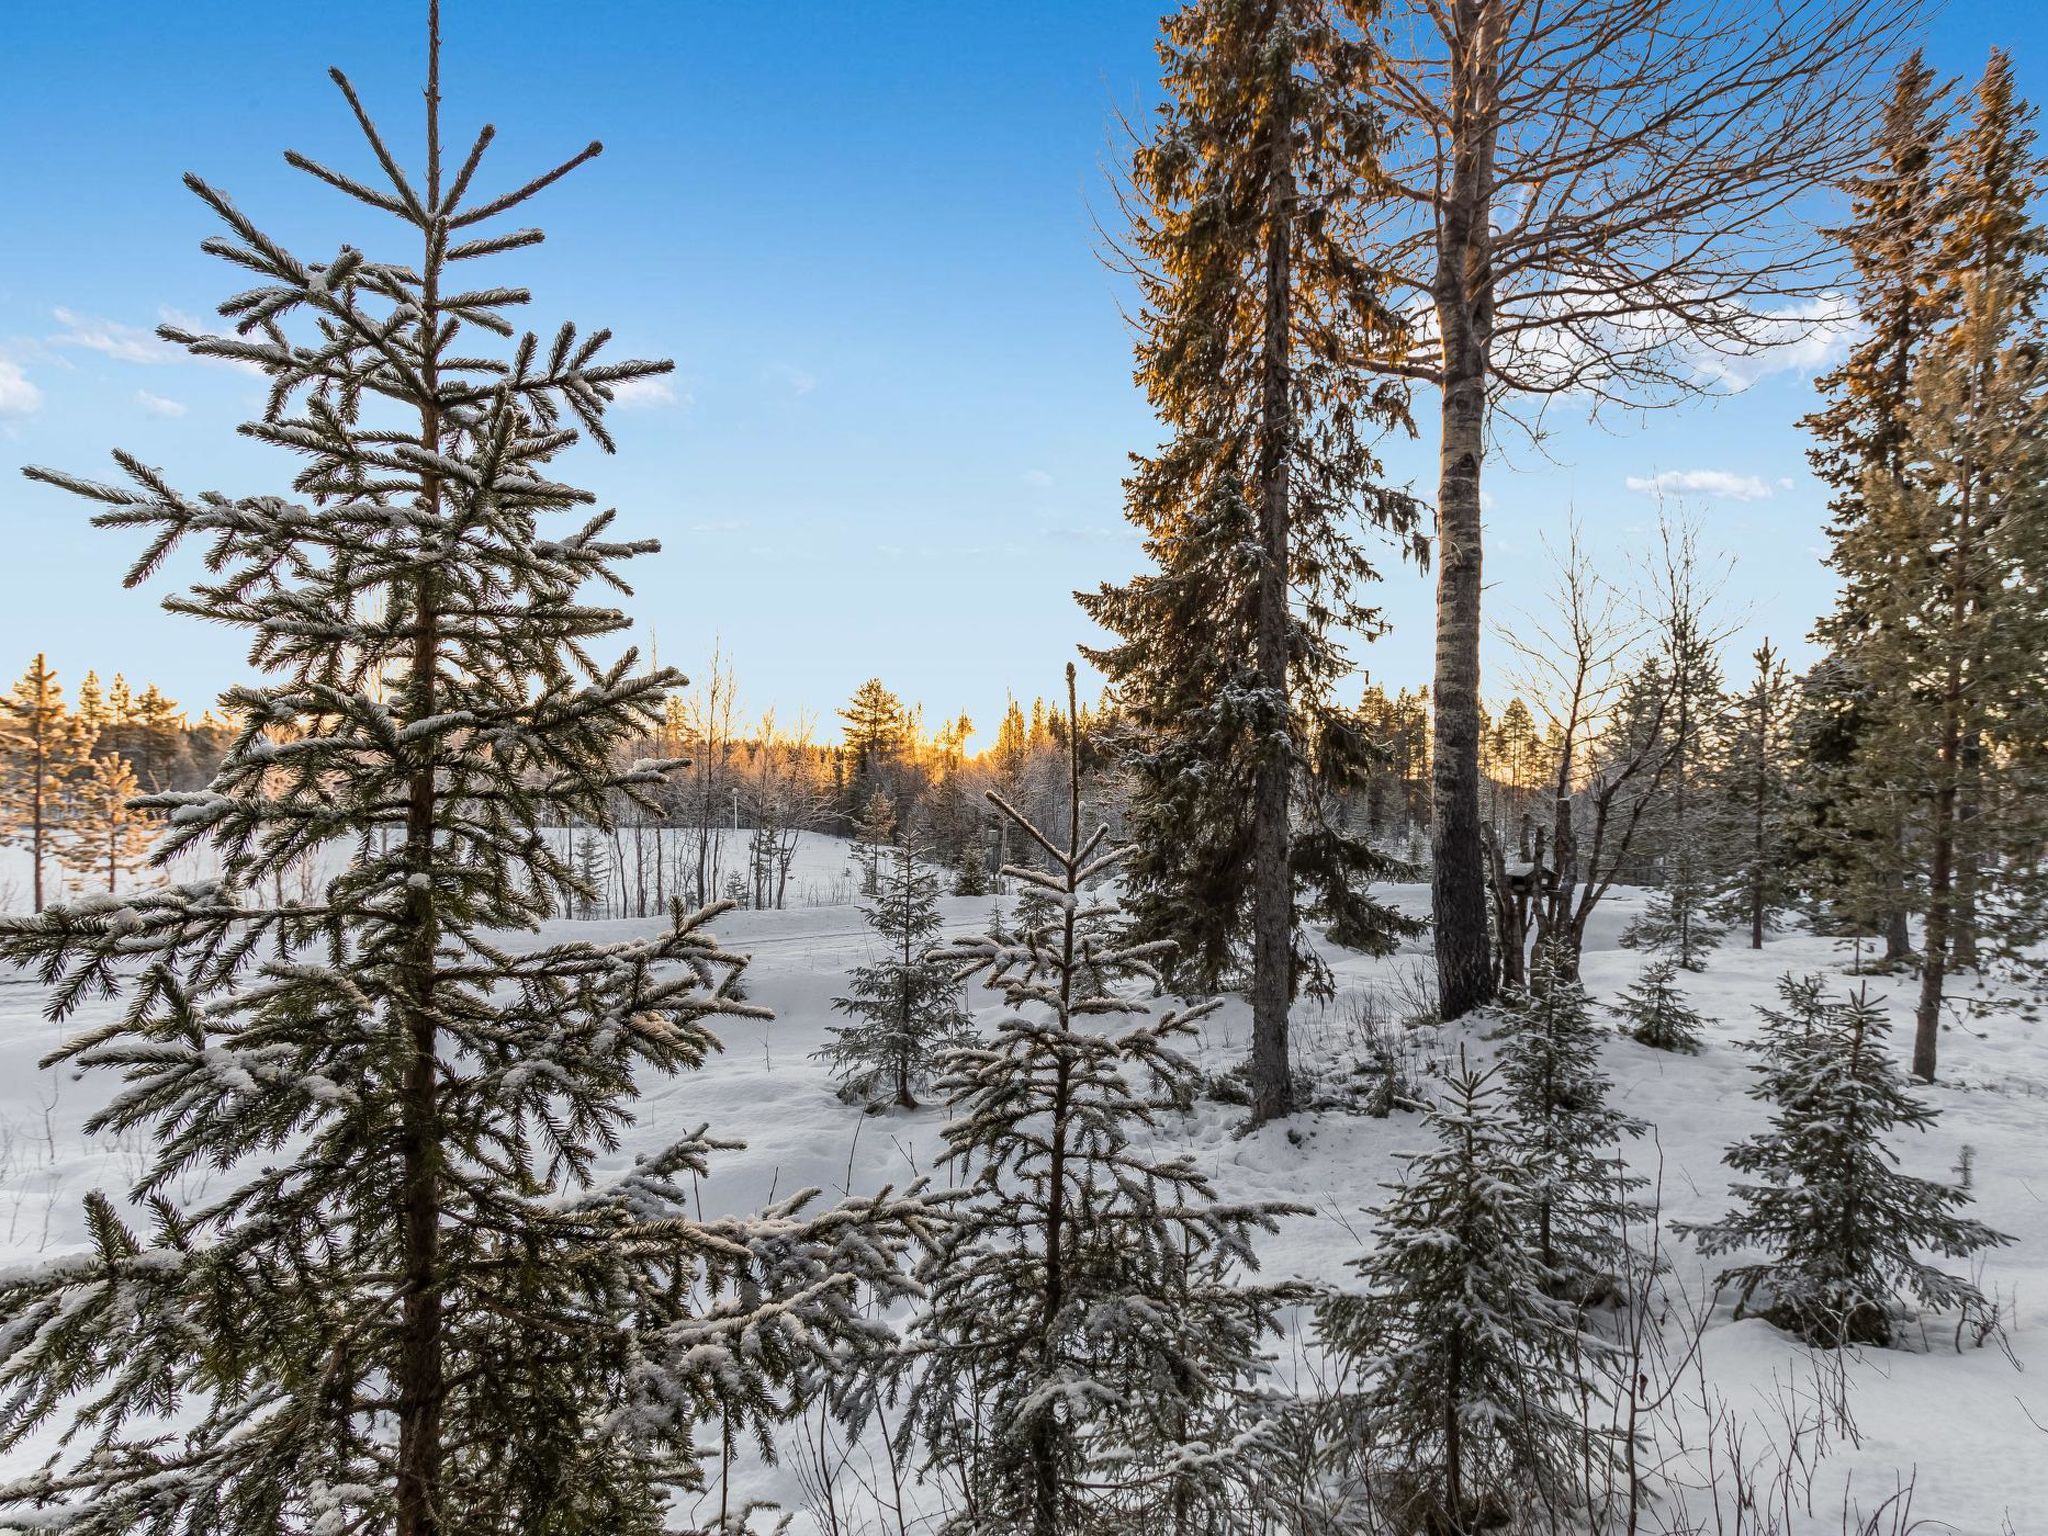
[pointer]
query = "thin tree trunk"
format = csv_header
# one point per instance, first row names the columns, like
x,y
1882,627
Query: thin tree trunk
x,y
1462,292
1969,805
1272,1084
422,1385
1941,839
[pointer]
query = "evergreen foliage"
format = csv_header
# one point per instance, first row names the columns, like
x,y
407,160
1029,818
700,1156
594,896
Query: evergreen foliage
x,y
1943,552
1472,1366
45,751
1657,1013
1550,1067
1841,1225
107,836
592,873
972,877
1088,1344
405,1300
874,834
905,1004
1754,782
1247,201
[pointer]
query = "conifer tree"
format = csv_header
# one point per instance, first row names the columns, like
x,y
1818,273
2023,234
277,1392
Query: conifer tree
x,y
874,833
1682,681
107,836
877,726
1656,1012
1473,1366
1256,313
1841,1226
44,751
1753,784
1088,1343
906,1003
593,871
93,713
404,1300
1550,1065
1955,661
120,701
972,877
1857,832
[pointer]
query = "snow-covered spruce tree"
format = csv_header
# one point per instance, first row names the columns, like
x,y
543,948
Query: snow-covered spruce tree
x,y
1089,1342
971,878
1257,310
403,1302
1472,1369
1550,1064
1841,1225
1656,1013
593,870
905,1005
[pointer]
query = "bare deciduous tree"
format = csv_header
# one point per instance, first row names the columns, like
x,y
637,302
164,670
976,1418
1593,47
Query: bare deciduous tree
x,y
1606,199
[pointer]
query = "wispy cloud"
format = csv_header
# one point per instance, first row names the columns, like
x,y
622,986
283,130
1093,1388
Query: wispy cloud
x,y
1722,483
18,396
133,344
1806,337
157,405
1038,479
110,338
801,381
647,394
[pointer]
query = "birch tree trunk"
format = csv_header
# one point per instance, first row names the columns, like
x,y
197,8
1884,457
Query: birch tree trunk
x,y
1461,293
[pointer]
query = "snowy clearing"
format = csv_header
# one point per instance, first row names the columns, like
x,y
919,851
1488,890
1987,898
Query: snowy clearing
x,y
1967,1428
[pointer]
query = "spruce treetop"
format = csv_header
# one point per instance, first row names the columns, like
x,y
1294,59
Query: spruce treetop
x,y
409,1298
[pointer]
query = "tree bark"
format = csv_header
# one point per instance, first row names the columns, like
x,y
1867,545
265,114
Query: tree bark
x,y
1462,293
1272,1084
422,1385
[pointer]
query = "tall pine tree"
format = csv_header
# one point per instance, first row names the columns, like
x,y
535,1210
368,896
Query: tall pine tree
x,y
1955,657
107,836
405,1301
45,751
1860,435
1246,199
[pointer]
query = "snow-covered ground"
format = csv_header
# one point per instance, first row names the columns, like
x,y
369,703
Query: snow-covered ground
x,y
1968,1428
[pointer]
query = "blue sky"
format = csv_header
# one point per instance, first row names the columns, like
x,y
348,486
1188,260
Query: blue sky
x,y
902,405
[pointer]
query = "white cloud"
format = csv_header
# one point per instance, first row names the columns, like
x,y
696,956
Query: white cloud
x,y
132,344
110,338
645,394
1038,479
18,397
157,405
1703,482
1806,337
